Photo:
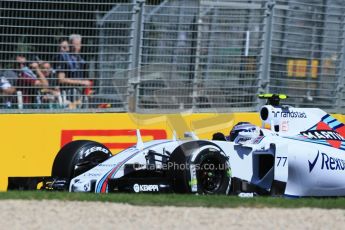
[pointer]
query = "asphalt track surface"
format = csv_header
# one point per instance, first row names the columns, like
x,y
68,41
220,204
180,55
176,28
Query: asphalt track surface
x,y
24,214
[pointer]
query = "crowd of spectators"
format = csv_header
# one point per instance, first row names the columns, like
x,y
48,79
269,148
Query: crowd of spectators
x,y
61,83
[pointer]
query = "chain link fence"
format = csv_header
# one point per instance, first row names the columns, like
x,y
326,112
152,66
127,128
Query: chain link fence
x,y
209,50
306,59
159,56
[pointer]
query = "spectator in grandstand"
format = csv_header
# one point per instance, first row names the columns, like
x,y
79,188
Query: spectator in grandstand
x,y
11,76
49,74
30,81
63,53
71,71
21,61
6,91
64,46
8,79
5,86
50,94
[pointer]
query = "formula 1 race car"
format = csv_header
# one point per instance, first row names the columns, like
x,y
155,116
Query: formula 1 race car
x,y
297,152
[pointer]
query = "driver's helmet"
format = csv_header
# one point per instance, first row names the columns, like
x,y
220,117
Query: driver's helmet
x,y
240,127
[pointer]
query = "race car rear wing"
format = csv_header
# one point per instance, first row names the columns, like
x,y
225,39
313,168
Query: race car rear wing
x,y
290,121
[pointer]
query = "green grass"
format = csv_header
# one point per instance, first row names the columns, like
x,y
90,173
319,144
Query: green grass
x,y
180,200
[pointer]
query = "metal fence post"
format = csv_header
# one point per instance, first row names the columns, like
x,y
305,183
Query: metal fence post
x,y
265,61
134,80
341,80
196,74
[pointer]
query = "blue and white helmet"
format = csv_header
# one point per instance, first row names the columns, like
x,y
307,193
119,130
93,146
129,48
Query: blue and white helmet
x,y
242,127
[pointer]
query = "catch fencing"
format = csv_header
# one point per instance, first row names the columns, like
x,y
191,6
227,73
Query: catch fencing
x,y
161,56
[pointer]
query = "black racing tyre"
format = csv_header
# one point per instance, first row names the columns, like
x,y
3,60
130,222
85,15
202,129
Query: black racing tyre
x,y
212,173
78,157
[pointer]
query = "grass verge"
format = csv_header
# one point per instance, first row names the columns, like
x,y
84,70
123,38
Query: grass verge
x,y
187,200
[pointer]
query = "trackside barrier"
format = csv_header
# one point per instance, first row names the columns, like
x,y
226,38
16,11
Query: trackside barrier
x,y
30,142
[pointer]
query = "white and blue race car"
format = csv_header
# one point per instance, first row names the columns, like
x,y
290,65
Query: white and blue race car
x,y
297,152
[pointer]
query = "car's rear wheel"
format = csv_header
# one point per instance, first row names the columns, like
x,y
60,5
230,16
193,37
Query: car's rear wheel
x,y
77,157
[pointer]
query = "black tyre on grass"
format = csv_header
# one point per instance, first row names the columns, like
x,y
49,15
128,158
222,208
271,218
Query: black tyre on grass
x,y
199,167
78,157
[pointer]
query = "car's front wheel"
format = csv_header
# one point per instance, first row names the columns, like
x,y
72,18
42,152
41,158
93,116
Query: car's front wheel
x,y
77,157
